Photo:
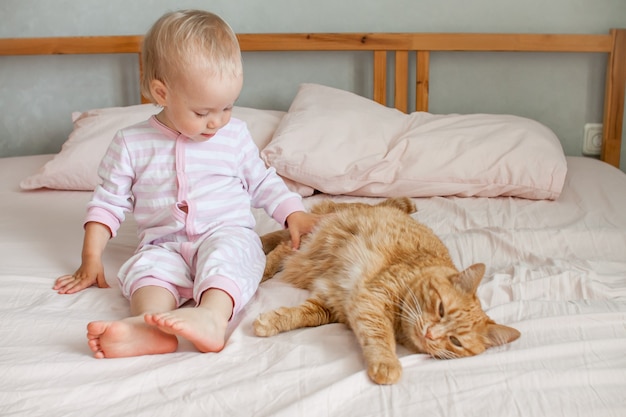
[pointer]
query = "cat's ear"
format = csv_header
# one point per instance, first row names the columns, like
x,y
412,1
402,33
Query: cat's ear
x,y
499,334
469,279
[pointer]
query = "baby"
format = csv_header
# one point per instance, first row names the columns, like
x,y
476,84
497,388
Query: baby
x,y
190,175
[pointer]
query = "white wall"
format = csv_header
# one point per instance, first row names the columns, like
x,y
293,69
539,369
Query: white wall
x,y
564,91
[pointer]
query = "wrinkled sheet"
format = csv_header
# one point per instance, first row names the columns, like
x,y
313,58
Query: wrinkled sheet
x,y
556,271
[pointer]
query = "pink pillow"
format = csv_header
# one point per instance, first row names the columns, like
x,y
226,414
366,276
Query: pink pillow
x,y
75,167
340,143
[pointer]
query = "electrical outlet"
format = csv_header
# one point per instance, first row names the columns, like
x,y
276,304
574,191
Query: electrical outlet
x,y
592,139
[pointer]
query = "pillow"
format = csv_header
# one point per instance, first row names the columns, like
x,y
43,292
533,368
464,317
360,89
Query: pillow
x,y
340,143
75,167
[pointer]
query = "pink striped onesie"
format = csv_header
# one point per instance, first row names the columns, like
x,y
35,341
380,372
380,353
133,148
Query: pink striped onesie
x,y
192,203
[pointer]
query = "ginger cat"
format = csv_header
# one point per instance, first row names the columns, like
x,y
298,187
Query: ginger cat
x,y
389,278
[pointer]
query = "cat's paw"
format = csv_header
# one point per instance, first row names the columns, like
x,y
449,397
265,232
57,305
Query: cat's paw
x,y
385,372
263,326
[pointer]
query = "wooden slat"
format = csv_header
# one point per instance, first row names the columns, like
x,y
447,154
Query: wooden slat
x,y
614,99
329,42
426,41
380,77
308,42
511,42
71,45
422,84
401,90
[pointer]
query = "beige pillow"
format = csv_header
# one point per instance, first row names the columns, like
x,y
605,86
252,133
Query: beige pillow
x,y
341,143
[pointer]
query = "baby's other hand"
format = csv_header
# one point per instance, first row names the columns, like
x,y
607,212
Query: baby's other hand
x,y
300,223
84,277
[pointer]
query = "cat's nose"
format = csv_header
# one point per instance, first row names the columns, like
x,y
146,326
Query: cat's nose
x,y
432,333
429,334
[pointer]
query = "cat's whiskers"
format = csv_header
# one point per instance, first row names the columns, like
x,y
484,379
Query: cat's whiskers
x,y
409,316
416,303
445,354
417,311
412,312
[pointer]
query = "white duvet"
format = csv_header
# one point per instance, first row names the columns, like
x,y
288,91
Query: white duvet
x,y
556,272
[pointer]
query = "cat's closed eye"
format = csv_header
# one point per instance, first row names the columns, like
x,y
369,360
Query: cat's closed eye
x,y
455,341
441,310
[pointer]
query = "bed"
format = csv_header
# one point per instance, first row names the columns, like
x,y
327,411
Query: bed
x,y
552,234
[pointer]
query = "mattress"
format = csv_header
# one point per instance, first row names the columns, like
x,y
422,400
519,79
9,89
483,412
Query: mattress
x,y
556,271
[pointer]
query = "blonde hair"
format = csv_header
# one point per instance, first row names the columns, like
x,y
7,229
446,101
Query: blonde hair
x,y
186,38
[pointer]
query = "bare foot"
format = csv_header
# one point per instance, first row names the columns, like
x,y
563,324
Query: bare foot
x,y
201,326
128,337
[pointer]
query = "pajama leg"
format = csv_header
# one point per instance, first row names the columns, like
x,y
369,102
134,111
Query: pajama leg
x,y
156,265
232,260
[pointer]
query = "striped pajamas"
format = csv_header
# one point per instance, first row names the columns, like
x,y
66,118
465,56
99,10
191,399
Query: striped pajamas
x,y
192,203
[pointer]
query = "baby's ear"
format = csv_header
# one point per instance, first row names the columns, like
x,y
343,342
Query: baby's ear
x,y
469,279
159,92
498,334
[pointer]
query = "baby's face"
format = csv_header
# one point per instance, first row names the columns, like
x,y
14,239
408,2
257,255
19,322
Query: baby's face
x,y
199,105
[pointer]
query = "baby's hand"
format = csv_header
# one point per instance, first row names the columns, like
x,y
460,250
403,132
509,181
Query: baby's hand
x,y
300,223
84,277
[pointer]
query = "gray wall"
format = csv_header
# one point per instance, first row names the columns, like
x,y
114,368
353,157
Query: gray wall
x,y
564,91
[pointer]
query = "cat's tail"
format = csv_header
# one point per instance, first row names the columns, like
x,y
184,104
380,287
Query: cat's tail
x,y
273,239
277,246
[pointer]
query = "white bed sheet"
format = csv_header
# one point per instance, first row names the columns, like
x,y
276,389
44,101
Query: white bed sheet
x,y
556,271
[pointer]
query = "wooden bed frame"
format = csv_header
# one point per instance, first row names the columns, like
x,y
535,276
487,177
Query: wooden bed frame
x,y
396,46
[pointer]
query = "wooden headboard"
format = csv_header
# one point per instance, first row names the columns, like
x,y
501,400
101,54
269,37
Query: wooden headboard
x,y
396,46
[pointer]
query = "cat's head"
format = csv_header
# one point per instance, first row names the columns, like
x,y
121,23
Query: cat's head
x,y
443,316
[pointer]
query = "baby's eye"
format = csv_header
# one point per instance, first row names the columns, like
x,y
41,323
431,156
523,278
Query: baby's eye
x,y
201,114
455,341
441,310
